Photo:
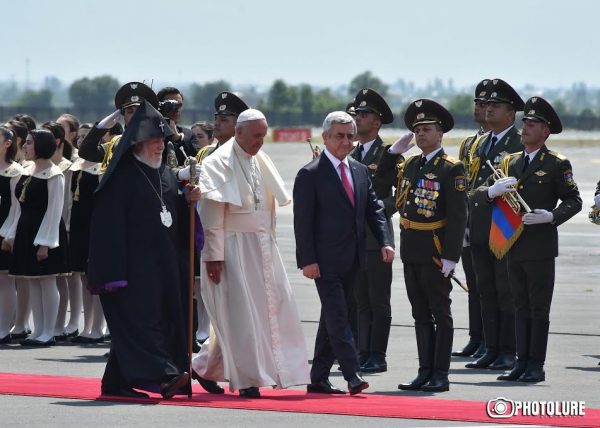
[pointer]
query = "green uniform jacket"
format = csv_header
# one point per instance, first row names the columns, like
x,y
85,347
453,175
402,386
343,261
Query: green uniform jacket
x,y
428,195
546,180
382,172
480,212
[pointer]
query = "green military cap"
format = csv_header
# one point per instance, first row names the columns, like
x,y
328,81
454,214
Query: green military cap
x,y
134,93
538,109
502,92
427,111
229,104
368,100
482,90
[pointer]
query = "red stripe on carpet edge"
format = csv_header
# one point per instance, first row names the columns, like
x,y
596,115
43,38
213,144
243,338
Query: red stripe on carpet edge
x,y
374,405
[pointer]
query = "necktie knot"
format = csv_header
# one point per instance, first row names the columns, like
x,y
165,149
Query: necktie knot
x,y
525,162
423,162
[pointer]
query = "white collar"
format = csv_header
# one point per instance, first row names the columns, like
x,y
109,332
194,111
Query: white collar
x,y
335,161
432,154
531,155
367,146
503,133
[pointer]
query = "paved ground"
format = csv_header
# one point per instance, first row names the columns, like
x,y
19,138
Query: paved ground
x,y
572,368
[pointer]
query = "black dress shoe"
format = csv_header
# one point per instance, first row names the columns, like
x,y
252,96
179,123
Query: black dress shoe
x,y
209,386
124,392
61,337
6,339
21,335
468,350
533,374
74,333
375,364
169,389
323,387
516,372
357,384
83,340
482,363
438,382
38,343
416,384
480,350
504,361
252,392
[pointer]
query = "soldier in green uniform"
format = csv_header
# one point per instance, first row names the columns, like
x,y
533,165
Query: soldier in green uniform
x,y
431,200
476,345
373,284
544,178
228,107
497,306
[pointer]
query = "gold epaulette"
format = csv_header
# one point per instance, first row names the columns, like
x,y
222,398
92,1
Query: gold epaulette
x,y
504,163
450,159
557,155
202,153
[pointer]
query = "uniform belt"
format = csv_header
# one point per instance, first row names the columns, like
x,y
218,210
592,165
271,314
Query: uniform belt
x,y
417,225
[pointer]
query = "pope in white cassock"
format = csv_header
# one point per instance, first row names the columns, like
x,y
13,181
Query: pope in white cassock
x,y
257,340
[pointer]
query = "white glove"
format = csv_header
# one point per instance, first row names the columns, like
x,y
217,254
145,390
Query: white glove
x,y
502,186
538,217
402,145
447,267
184,173
110,120
597,200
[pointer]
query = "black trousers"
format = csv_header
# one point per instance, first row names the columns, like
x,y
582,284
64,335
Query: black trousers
x,y
334,337
373,295
475,322
532,285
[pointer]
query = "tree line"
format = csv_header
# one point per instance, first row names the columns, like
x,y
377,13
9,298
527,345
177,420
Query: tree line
x,y
286,104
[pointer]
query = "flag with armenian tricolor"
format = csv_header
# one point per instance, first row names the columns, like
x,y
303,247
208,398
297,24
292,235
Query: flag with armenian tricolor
x,y
506,228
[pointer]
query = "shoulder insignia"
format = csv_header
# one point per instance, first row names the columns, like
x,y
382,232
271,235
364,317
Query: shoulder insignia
x,y
450,159
460,183
556,155
569,177
540,173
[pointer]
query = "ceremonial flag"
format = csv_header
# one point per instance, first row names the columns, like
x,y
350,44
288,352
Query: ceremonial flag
x,y
505,229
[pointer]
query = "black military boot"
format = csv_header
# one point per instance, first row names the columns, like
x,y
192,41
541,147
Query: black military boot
x,y
506,358
441,360
490,332
469,349
380,334
426,347
480,350
438,383
537,352
523,333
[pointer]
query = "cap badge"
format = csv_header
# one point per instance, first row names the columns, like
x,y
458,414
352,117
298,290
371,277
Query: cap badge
x,y
534,99
363,103
223,95
419,103
485,82
133,85
222,107
531,112
420,116
135,99
494,94
482,93
365,91
495,81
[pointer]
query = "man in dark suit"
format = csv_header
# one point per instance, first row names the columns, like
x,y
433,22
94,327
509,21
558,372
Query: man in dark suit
x,y
542,178
497,305
433,216
373,284
333,199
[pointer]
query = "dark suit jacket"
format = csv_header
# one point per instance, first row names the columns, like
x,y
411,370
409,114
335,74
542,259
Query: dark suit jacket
x,y
480,213
328,229
547,180
381,166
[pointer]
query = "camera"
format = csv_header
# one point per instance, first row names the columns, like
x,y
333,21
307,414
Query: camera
x,y
500,408
169,106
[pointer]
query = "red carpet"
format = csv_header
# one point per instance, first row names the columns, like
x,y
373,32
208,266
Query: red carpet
x,y
389,406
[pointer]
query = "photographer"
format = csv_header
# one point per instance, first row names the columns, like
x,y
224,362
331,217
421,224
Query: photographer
x,y
170,105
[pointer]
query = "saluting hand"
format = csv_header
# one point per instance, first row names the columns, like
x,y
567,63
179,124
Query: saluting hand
x,y
388,253
42,253
110,120
311,271
214,269
403,144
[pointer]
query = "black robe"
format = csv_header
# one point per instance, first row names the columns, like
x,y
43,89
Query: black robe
x,y
135,263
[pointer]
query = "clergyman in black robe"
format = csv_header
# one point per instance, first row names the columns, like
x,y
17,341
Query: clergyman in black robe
x,y
137,241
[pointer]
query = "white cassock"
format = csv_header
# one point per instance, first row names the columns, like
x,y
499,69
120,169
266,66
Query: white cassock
x,y
258,340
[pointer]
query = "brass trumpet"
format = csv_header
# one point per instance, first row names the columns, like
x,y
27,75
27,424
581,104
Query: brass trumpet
x,y
594,215
513,199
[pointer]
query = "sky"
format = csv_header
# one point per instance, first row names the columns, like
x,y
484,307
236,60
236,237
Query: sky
x,y
324,43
